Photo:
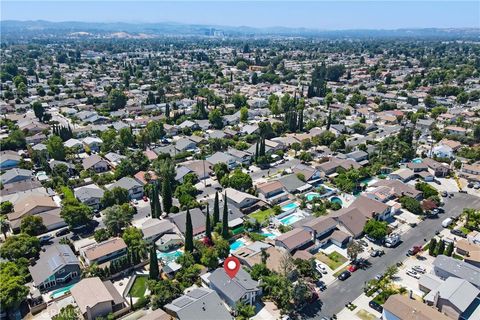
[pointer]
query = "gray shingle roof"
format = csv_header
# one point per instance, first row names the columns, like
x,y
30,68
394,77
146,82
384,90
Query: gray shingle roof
x,y
53,259
233,288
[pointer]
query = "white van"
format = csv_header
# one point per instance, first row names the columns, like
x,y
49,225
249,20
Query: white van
x,y
447,222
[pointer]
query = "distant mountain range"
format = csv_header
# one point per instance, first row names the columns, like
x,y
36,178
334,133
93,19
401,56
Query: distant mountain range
x,y
40,28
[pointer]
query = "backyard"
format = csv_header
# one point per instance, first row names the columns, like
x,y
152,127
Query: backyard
x,y
139,287
263,215
332,260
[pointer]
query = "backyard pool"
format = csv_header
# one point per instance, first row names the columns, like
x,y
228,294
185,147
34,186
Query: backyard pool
x,y
237,245
170,256
336,200
312,195
290,219
417,160
290,206
62,291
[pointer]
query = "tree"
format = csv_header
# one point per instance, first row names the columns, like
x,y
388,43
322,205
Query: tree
x,y
126,137
222,247
428,190
39,110
221,170
67,313
76,214
154,272
209,258
155,207
32,225
164,292
208,227
117,99
449,250
440,248
376,229
243,114
101,235
117,195
239,100
6,207
216,210
166,195
20,246
238,180
225,218
411,205
125,169
4,226
133,238
244,311
432,246
118,217
188,233
12,291
354,249
216,119
259,271
55,148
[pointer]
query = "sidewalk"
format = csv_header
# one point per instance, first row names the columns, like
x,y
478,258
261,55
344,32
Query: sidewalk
x,y
361,312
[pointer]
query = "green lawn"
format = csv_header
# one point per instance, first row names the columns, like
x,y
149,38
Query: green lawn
x,y
333,260
365,315
68,194
139,287
263,215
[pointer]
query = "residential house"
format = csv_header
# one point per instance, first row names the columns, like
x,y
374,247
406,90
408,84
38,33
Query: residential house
x,y
442,151
16,175
445,267
198,221
295,239
323,228
361,157
398,188
34,205
330,167
310,174
200,304
251,255
403,175
169,242
154,228
471,171
91,195
95,163
456,130
9,159
202,168
104,251
243,201
293,185
272,192
134,188
241,157
57,266
96,298
222,157
74,143
239,289
185,144
399,307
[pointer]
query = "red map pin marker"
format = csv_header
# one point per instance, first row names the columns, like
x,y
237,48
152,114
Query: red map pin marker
x,y
231,266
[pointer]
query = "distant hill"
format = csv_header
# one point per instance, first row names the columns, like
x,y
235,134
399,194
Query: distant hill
x,y
40,28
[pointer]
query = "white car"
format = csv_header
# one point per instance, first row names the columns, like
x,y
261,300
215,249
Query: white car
x,y
419,269
321,268
413,274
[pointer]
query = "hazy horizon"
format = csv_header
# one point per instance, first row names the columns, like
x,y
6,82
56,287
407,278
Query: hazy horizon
x,y
320,15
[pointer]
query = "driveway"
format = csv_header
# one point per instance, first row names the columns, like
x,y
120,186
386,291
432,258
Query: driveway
x,y
339,293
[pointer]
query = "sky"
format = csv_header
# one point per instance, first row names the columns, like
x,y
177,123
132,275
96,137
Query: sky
x,y
323,15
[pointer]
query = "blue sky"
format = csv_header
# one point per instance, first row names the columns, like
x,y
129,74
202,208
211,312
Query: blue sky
x,y
332,15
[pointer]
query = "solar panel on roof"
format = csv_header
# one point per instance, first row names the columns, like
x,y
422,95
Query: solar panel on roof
x,y
182,302
197,293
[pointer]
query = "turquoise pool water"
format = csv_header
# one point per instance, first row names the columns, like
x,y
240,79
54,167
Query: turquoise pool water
x,y
170,256
288,220
237,245
289,206
312,195
417,160
62,291
336,200
268,235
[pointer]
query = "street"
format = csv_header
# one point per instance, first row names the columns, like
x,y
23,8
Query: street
x,y
340,293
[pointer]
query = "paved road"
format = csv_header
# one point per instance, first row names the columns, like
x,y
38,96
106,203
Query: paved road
x,y
339,293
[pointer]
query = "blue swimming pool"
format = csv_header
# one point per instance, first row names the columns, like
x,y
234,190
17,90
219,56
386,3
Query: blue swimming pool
x,y
62,291
290,206
288,220
237,245
170,256
268,235
336,200
417,160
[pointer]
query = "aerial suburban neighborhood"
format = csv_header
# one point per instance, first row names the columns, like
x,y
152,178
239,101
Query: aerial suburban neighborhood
x,y
343,175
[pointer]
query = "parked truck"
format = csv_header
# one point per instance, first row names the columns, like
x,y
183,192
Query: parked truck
x,y
392,240
447,222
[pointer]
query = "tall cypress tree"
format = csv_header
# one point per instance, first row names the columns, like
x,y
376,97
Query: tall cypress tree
x,y
225,218
216,210
156,199
189,233
154,270
166,195
208,227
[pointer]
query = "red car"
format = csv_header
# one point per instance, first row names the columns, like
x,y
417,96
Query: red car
x,y
352,268
414,250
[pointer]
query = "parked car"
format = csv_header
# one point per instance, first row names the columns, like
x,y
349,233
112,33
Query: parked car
x,y
414,250
321,285
458,232
447,222
470,185
321,268
375,306
476,186
413,274
363,243
352,268
419,269
444,194
377,253
62,232
45,239
378,277
344,275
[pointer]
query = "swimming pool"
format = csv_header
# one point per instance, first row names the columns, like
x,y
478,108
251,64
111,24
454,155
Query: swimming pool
x,y
312,195
269,235
62,291
417,160
336,200
237,245
170,256
290,206
290,219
